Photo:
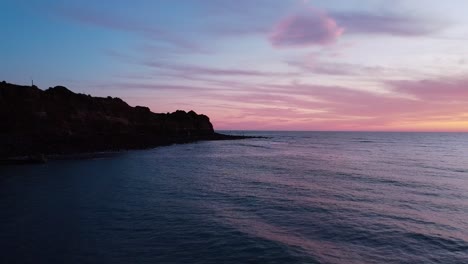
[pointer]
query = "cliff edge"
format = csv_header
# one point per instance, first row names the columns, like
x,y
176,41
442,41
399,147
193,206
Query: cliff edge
x,y
58,121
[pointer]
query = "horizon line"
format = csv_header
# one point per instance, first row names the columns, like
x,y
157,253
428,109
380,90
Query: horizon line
x,y
335,131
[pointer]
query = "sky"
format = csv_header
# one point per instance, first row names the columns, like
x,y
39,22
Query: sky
x,y
346,65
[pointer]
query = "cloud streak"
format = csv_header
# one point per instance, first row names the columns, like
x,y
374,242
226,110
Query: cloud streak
x,y
386,24
334,68
194,70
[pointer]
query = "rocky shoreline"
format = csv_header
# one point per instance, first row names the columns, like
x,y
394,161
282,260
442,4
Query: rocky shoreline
x,y
38,125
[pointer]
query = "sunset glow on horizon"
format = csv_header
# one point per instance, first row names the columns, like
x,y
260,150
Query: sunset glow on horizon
x,y
358,65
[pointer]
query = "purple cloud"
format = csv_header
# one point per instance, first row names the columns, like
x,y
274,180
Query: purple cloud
x,y
312,27
391,24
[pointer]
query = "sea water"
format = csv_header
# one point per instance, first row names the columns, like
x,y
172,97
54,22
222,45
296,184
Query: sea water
x,y
294,197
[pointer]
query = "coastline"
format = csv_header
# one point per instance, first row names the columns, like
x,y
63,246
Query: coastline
x,y
41,158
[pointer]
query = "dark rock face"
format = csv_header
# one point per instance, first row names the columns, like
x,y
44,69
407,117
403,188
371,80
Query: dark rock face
x,y
58,121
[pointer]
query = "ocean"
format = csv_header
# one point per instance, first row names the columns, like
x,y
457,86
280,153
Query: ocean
x,y
294,197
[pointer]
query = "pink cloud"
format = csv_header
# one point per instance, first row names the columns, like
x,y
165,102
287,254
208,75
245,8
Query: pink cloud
x,y
291,107
444,89
312,27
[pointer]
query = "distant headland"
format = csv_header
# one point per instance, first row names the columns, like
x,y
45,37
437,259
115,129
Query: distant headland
x,y
37,124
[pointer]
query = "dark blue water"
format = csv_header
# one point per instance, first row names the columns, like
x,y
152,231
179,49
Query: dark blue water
x,y
298,197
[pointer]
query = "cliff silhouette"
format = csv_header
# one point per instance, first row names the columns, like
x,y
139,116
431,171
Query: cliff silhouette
x,y
35,122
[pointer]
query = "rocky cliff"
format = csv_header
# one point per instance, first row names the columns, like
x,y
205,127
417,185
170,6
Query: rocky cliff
x,y
59,121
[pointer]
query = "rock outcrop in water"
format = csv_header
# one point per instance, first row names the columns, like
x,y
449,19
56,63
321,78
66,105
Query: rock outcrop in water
x,y
34,123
